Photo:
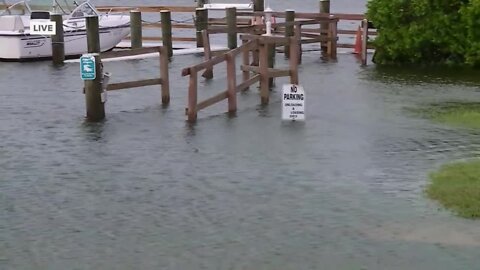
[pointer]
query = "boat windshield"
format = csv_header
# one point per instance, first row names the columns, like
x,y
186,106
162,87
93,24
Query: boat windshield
x,y
79,8
19,8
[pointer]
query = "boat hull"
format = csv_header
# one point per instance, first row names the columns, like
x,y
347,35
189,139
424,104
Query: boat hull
x,y
28,47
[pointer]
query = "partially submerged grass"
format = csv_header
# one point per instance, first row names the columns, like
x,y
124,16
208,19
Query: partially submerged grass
x,y
457,187
453,113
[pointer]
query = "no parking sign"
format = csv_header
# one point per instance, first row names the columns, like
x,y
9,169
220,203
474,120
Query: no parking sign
x,y
293,102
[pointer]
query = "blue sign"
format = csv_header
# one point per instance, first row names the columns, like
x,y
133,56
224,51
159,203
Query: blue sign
x,y
87,67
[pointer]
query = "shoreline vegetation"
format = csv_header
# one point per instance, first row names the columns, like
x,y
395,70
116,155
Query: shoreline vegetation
x,y
455,114
434,32
456,186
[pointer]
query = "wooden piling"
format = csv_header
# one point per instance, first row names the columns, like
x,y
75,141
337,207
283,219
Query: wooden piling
x,y
93,88
166,19
245,62
258,5
264,79
192,96
324,27
201,23
294,61
364,41
271,62
201,3
289,28
58,42
332,34
208,74
298,38
136,29
232,83
165,86
231,14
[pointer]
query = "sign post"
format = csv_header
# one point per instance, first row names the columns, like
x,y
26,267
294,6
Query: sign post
x,y
87,67
293,102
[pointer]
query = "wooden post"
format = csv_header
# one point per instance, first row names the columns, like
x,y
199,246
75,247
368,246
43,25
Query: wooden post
x,y
93,88
232,83
208,74
298,38
245,62
258,5
58,44
201,3
192,96
289,31
165,87
364,41
135,29
166,20
201,24
232,27
271,61
264,79
332,34
324,27
293,61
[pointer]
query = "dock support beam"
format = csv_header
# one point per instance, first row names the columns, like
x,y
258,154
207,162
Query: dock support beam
x,y
166,19
264,78
364,41
192,97
324,28
201,23
58,42
93,88
289,29
164,76
258,5
136,29
232,27
201,3
332,33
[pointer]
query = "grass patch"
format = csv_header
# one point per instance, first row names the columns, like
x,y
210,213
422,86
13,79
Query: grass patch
x,y
453,113
457,187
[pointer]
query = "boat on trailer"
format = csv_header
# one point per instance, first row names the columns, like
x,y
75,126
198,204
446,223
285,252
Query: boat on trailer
x,y
17,44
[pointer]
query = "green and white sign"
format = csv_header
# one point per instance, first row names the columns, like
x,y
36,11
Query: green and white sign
x,y
87,67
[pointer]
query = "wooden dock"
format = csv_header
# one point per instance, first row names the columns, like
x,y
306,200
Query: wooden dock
x,y
262,34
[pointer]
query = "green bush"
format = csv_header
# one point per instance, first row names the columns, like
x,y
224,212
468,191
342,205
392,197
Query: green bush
x,y
426,31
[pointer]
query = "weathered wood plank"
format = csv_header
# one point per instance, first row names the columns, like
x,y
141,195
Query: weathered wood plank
x,y
210,101
272,72
186,39
244,85
174,25
139,51
133,84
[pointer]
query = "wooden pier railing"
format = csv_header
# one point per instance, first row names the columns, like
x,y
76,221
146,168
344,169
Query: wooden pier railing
x,y
243,22
261,73
163,80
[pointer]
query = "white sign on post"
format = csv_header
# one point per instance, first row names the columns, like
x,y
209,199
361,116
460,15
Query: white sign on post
x,y
42,27
293,102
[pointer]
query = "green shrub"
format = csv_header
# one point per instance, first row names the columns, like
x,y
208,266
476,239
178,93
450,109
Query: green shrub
x,y
426,31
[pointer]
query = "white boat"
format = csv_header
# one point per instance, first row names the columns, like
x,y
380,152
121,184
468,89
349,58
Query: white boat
x,y
16,42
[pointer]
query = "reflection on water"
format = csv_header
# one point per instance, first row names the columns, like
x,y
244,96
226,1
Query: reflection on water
x,y
146,190
426,75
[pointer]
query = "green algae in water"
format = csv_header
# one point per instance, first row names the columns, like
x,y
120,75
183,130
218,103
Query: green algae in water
x,y
457,187
458,114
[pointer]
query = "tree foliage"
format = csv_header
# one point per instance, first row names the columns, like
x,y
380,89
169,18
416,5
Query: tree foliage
x,y
426,31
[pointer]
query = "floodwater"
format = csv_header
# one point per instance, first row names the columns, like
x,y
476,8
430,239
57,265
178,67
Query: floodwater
x,y
146,190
